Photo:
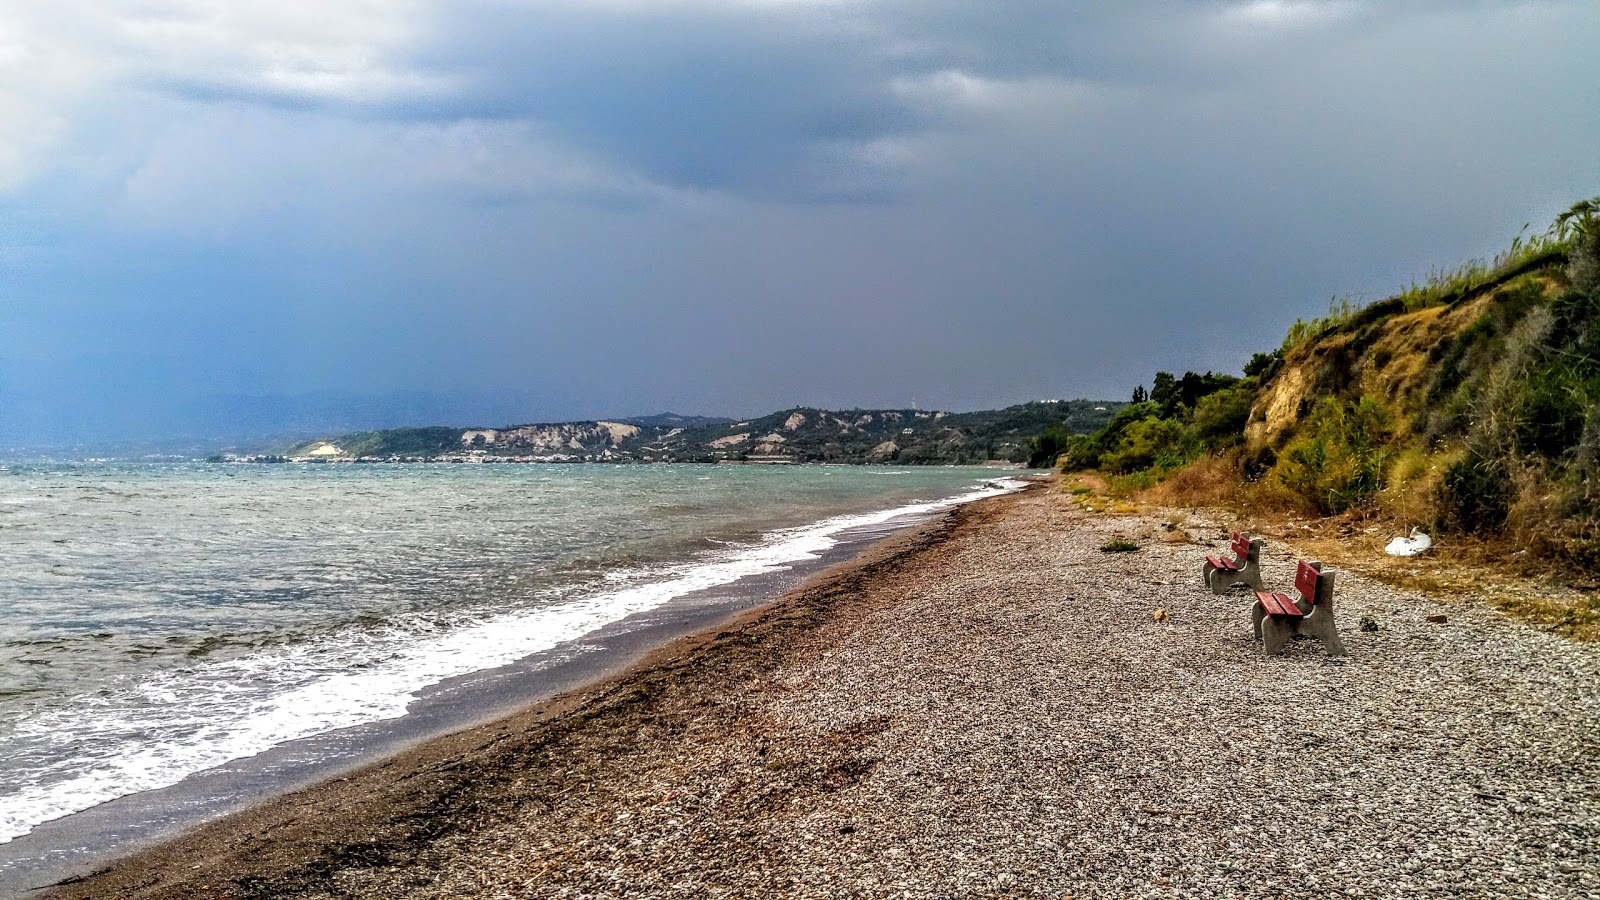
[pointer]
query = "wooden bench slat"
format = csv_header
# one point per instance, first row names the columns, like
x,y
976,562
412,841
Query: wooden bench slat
x,y
1305,581
1278,604
1241,546
1223,564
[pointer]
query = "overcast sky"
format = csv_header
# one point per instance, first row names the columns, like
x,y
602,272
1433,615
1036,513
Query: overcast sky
x,y
488,212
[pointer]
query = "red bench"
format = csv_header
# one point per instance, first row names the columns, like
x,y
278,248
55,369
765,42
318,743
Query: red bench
x,y
1278,617
1221,573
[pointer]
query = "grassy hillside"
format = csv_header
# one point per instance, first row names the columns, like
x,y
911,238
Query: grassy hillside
x,y
1468,404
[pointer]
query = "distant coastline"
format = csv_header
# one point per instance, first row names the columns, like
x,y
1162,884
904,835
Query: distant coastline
x,y
486,459
787,437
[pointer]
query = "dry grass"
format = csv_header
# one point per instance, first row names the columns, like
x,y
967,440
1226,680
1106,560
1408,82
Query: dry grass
x,y
1089,490
1208,481
1459,568
1272,498
1462,568
1412,491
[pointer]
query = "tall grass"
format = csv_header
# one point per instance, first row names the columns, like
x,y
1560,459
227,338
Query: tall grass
x,y
1445,286
1340,311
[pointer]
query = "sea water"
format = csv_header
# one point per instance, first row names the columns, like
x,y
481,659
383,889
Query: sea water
x,y
158,620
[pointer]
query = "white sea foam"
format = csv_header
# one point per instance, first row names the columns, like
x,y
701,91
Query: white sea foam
x,y
176,724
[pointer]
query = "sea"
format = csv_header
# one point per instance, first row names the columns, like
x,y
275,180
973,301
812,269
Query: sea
x,y
162,622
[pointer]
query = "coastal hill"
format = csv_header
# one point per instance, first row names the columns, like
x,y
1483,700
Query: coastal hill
x,y
801,434
1467,405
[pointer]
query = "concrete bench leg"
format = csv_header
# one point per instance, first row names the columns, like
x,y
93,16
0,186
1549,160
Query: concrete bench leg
x,y
1221,581
1257,613
1320,626
1275,632
1205,575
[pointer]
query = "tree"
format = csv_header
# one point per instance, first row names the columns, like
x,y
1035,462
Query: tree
x,y
1164,392
1140,395
1220,417
1262,365
1051,443
1172,394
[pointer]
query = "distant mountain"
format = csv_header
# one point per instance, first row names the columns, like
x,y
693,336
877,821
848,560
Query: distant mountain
x,y
799,435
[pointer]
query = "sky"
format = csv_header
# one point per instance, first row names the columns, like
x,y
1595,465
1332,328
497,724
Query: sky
x,y
224,218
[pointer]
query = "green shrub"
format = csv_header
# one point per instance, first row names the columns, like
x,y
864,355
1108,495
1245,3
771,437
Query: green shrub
x,y
1341,461
1163,443
1119,545
1528,404
1088,453
1475,496
1123,485
1580,227
1219,418
1264,365
1452,355
1555,409
1049,444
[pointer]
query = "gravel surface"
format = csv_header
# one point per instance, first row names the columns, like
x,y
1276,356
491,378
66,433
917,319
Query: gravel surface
x,y
996,711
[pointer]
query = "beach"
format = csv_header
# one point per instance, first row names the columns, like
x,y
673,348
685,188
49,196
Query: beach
x,y
985,704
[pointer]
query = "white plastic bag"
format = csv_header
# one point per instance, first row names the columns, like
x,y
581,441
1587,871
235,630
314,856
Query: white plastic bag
x,y
1409,546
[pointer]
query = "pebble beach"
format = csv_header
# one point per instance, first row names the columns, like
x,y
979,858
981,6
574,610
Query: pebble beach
x,y
986,705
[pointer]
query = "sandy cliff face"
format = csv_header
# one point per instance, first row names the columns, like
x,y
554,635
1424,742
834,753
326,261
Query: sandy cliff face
x,y
564,437
1394,359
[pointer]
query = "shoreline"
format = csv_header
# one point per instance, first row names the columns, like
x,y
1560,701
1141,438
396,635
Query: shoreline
x,y
129,825
291,816
982,704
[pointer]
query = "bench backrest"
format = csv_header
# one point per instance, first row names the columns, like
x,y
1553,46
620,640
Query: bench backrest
x,y
1241,545
1307,578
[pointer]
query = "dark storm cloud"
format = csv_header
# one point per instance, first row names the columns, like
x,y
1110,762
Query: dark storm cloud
x,y
788,99
805,100
704,98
